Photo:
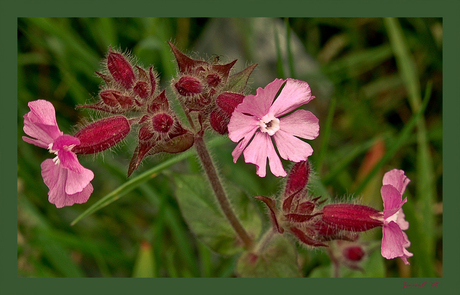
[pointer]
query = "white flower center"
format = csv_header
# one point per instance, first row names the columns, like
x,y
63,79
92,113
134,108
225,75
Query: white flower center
x,y
56,159
393,217
269,124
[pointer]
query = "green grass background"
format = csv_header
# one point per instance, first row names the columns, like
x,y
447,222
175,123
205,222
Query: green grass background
x,y
369,76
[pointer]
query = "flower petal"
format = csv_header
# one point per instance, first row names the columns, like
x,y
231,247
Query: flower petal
x,y
396,178
391,200
257,153
50,173
291,148
241,126
294,94
258,105
40,123
55,178
400,220
395,242
78,177
78,181
301,123
236,153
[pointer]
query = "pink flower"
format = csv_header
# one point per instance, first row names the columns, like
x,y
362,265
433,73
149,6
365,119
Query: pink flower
x,y
68,181
260,117
394,241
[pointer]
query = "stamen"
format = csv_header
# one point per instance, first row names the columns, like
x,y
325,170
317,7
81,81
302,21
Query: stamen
x,y
56,160
269,124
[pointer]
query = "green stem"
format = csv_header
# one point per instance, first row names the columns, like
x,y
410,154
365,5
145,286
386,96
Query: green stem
x,y
219,191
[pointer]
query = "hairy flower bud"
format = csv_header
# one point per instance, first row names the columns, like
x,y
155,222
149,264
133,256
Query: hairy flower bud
x,y
114,98
352,217
226,103
142,89
188,86
102,134
213,80
162,122
120,69
353,253
219,121
296,182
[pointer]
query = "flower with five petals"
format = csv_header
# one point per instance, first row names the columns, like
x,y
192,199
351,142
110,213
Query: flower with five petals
x,y
394,241
261,118
68,181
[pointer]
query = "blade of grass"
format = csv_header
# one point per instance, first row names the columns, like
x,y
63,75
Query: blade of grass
x,y
325,134
136,181
357,63
348,158
54,27
144,266
425,176
398,143
288,48
279,59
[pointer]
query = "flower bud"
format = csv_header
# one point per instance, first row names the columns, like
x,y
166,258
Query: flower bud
x,y
160,103
115,98
352,217
213,79
228,101
219,121
226,104
102,134
296,182
162,122
188,86
141,89
121,70
353,253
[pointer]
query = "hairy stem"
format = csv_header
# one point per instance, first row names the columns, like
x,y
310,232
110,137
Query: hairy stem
x,y
219,191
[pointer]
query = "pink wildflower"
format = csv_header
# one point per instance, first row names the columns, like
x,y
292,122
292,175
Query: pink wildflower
x,y
68,181
260,117
394,241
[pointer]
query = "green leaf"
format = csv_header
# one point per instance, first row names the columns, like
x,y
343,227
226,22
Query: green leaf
x,y
237,82
277,260
205,218
144,266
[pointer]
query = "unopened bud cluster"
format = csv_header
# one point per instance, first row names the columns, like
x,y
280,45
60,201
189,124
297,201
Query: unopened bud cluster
x,y
131,96
209,90
313,223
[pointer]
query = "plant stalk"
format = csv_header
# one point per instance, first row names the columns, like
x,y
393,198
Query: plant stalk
x,y
219,191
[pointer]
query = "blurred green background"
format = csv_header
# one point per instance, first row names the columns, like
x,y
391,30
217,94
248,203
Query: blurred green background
x,y
369,76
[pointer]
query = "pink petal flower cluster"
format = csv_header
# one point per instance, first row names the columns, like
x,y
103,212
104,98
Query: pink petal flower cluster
x,y
261,118
394,241
68,181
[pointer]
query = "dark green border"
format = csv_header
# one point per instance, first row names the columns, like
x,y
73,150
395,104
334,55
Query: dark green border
x,y
11,10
